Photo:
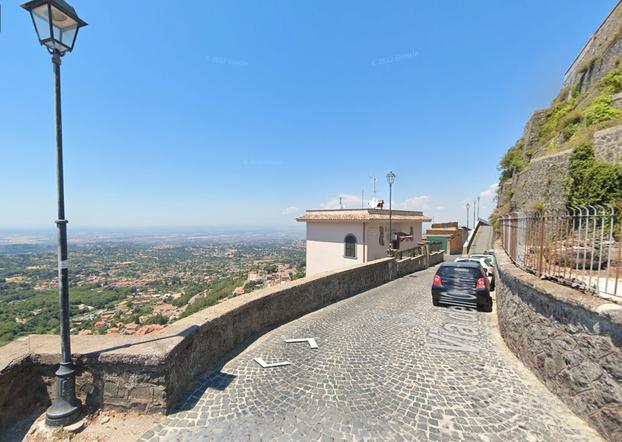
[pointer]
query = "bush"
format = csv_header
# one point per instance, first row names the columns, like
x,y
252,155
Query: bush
x,y
591,181
512,162
157,319
612,81
554,120
601,110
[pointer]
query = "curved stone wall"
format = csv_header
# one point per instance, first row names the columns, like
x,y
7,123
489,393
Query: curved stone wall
x,y
570,340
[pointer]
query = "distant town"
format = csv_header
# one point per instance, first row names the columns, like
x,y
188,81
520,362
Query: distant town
x,y
122,286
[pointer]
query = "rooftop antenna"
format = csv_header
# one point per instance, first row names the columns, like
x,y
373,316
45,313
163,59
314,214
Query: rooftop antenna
x,y
340,203
363,198
373,180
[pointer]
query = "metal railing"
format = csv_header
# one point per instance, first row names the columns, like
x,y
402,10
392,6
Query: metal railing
x,y
579,247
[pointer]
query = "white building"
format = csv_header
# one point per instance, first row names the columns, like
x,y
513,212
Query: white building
x,y
343,238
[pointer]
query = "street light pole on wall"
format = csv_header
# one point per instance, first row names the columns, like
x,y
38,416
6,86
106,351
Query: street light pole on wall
x,y
390,180
478,205
57,26
468,206
474,210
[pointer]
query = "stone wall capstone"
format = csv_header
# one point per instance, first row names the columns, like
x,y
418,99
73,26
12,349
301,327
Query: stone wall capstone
x,y
570,340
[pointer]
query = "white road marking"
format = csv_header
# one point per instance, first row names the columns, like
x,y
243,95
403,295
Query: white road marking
x,y
311,341
264,364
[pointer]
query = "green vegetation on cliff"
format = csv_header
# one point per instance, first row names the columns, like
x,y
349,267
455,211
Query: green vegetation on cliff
x,y
573,117
220,289
591,181
513,161
570,123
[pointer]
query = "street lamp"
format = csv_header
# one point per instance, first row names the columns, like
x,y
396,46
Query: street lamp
x,y
474,210
57,26
390,180
467,207
478,205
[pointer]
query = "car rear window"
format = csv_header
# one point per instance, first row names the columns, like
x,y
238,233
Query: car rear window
x,y
454,275
476,261
489,260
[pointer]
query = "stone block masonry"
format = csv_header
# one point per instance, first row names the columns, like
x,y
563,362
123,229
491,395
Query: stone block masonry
x,y
149,373
543,180
570,340
608,144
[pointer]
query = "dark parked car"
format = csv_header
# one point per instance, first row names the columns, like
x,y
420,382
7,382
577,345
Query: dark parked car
x,y
462,283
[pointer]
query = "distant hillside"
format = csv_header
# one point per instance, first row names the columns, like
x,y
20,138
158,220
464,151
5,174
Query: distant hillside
x,y
571,152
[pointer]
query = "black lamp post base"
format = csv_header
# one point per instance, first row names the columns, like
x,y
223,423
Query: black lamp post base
x,y
62,413
66,408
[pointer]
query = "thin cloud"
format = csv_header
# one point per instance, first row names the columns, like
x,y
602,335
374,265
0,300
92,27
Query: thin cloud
x,y
420,202
289,211
491,192
347,201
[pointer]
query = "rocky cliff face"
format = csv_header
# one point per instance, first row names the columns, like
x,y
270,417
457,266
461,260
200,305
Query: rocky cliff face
x,y
535,172
600,54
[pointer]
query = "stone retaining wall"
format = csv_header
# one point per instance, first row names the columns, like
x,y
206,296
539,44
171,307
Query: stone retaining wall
x,y
608,144
544,181
149,373
570,340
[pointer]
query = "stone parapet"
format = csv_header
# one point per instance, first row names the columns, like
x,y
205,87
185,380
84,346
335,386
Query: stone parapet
x,y
572,341
148,373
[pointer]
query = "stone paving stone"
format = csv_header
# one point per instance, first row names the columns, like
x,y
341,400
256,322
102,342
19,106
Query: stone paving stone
x,y
374,378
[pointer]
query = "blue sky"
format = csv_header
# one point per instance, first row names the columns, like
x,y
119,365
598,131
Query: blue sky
x,y
247,113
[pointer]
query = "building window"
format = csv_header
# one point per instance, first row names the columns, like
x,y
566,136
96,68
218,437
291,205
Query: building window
x,y
350,246
381,236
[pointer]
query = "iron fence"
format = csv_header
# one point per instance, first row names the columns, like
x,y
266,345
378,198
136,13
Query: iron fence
x,y
579,247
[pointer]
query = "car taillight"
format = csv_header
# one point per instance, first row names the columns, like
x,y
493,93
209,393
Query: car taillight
x,y
481,283
437,280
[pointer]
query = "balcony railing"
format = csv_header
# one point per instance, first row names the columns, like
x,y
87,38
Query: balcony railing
x,y
579,247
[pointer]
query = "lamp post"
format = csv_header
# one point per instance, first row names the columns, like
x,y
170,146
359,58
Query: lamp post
x,y
474,210
57,26
390,180
478,207
468,206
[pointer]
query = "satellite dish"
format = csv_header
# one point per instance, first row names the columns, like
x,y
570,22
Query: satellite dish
x,y
376,204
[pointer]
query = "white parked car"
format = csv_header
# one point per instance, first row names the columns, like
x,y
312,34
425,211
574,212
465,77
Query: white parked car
x,y
485,263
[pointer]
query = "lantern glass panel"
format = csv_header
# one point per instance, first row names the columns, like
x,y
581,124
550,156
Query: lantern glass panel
x,y
42,23
64,29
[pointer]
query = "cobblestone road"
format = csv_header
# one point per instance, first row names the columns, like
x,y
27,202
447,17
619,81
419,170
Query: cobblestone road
x,y
387,368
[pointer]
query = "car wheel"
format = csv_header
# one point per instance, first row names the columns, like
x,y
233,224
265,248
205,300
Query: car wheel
x,y
488,308
435,302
